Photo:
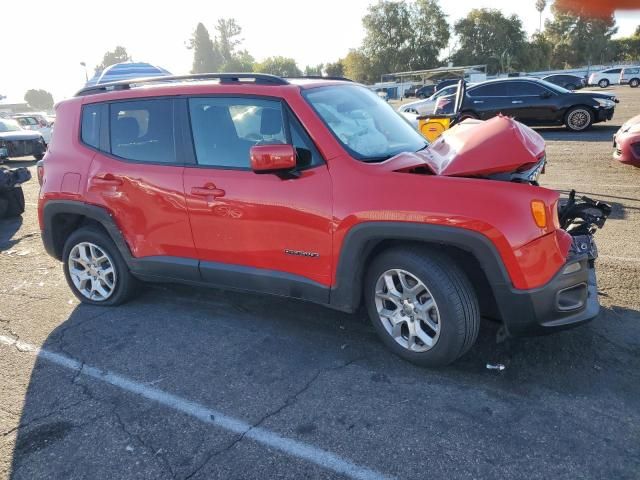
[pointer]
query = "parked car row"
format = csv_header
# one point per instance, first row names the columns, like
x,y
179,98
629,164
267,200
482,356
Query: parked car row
x,y
529,100
619,75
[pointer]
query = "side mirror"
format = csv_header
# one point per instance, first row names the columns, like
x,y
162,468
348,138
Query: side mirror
x,y
272,158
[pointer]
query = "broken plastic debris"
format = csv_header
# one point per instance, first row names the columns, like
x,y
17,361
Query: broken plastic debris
x,y
497,366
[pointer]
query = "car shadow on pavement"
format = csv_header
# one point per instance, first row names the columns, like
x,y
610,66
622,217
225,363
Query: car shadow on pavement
x,y
597,133
8,228
322,377
22,162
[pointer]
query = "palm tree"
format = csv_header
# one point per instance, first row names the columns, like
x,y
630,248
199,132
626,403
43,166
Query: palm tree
x,y
540,6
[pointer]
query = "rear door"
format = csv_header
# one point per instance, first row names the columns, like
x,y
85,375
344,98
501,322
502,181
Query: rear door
x,y
488,100
136,174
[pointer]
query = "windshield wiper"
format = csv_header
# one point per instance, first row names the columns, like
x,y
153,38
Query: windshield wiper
x,y
377,159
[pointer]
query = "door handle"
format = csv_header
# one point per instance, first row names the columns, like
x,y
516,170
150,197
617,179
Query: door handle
x,y
209,190
106,179
478,101
517,101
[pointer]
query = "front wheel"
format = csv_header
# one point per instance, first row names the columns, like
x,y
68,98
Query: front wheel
x,y
604,83
634,83
422,306
95,271
578,119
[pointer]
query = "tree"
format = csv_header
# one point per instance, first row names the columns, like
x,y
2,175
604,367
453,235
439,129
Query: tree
x,y
335,69
281,66
241,61
578,38
402,36
118,55
487,36
206,55
357,67
311,70
39,99
537,55
637,32
540,6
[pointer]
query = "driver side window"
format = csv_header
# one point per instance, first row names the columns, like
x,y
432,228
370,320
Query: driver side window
x,y
224,128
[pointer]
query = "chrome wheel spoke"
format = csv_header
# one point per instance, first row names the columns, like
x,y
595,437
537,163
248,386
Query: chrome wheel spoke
x,y
92,271
407,310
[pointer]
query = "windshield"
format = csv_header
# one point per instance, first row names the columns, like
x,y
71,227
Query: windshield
x,y
364,123
9,126
554,87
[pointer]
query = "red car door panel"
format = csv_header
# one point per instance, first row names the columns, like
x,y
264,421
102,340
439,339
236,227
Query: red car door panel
x,y
140,183
262,221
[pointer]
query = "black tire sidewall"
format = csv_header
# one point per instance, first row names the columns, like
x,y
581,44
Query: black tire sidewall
x,y
449,346
634,83
125,282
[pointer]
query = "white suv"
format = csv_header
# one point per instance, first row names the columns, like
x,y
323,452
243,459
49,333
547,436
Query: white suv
x,y
630,76
606,77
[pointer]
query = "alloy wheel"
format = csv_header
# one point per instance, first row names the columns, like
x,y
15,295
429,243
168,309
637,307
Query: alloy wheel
x,y
579,119
407,310
92,271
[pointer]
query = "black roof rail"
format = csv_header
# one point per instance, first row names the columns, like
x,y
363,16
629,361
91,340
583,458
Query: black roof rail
x,y
258,78
318,77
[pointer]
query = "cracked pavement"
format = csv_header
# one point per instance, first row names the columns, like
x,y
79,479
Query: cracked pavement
x,y
567,406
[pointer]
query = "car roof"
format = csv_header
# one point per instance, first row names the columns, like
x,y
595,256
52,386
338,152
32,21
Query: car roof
x,y
561,75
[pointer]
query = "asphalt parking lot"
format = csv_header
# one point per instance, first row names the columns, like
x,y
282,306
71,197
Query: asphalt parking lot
x,y
190,383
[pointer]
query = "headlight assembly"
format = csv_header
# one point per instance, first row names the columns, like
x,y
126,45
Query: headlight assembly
x,y
603,102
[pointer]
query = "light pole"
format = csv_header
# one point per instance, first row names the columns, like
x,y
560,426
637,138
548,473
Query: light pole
x,y
86,75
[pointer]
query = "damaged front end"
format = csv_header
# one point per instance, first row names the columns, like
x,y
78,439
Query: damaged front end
x,y
581,218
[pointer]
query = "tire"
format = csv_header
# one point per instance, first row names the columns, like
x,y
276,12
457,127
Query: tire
x,y
466,115
15,202
604,83
634,82
579,119
454,312
39,157
123,283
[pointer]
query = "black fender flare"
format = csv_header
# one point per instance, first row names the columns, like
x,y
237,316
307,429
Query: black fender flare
x,y
101,215
363,238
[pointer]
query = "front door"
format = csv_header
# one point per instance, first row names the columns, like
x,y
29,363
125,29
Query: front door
x,y
257,231
531,103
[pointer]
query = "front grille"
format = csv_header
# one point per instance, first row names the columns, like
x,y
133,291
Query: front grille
x,y
20,148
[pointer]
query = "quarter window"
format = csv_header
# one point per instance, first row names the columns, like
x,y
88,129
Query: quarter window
x,y
90,129
143,130
224,129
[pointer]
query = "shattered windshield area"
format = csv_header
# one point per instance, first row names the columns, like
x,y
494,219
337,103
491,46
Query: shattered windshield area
x,y
364,123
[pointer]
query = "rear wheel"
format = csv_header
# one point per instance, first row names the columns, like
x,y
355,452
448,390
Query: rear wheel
x,y
634,83
422,306
95,270
578,119
604,83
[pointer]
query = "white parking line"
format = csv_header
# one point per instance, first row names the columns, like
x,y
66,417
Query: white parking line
x,y
266,437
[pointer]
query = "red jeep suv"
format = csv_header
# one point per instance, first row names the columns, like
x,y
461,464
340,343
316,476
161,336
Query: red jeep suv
x,y
313,189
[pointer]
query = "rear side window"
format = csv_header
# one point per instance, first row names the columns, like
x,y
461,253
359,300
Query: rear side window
x,y
525,89
143,130
225,129
613,70
491,90
90,129
631,71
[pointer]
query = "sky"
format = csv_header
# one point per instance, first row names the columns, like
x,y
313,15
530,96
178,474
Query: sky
x,y
46,51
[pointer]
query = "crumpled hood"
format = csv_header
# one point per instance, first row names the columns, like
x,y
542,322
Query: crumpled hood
x,y
476,148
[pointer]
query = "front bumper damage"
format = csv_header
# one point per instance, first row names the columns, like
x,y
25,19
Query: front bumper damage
x,y
571,297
